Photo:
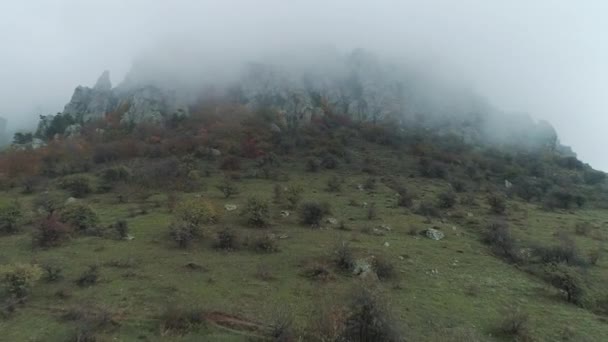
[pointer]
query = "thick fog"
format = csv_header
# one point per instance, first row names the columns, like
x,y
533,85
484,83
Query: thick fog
x,y
547,58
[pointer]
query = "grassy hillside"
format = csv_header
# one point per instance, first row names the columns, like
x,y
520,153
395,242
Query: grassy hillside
x,y
374,192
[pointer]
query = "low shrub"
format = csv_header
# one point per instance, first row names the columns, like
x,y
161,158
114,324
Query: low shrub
x,y
122,229
197,211
49,201
52,272
257,212
428,209
80,217
114,174
367,319
313,165
497,203
515,324
228,188
446,200
312,213
89,277
230,163
77,185
384,269
404,198
10,217
265,244
498,236
569,280
19,278
459,186
50,232
227,240
329,162
90,318
370,184
293,195
432,169
183,232
334,184
180,320
565,252
343,257
282,327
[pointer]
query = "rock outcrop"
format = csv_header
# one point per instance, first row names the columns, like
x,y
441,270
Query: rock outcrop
x,y
434,234
145,103
92,103
150,104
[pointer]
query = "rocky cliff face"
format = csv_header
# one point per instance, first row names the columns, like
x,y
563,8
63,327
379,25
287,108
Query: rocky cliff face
x,y
357,85
92,103
145,103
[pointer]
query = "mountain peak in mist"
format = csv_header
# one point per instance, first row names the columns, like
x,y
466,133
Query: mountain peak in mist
x,y
103,82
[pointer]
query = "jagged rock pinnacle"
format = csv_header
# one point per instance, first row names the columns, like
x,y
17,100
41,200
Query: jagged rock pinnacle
x,y
103,82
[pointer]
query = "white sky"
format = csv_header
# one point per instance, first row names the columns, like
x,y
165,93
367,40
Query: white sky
x,y
545,57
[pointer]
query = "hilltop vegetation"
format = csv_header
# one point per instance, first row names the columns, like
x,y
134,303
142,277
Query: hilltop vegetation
x,y
236,220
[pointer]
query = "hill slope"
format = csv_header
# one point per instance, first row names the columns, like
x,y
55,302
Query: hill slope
x,y
236,221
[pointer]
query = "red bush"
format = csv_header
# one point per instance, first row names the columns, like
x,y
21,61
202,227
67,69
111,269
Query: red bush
x,y
51,232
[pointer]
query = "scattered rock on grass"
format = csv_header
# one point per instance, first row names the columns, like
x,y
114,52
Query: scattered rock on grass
x,y
230,207
362,266
332,220
434,234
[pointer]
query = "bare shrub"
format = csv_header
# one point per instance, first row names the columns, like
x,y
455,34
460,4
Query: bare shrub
x,y
227,240
312,213
497,203
565,252
122,229
384,269
228,188
343,257
265,243
446,200
428,209
178,320
282,327
515,324
367,319
498,236
257,212
89,277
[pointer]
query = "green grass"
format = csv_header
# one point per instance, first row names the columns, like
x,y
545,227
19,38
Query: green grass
x,y
429,306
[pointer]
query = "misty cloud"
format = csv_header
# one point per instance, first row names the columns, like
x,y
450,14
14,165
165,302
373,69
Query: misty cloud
x,y
546,58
